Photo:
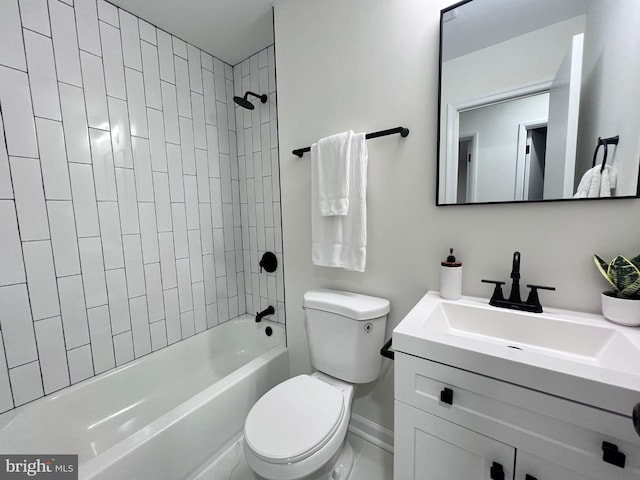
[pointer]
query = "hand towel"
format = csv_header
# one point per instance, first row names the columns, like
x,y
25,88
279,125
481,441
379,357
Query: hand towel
x,y
596,183
341,240
331,160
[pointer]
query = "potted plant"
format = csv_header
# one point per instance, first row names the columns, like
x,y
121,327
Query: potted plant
x,y
622,304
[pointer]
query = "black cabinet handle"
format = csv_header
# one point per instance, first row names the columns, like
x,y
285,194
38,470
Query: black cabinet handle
x,y
612,455
446,396
496,472
529,477
636,418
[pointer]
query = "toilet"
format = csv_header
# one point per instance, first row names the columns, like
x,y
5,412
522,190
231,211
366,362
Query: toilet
x,y
298,429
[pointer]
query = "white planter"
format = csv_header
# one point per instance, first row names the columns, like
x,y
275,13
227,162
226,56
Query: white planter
x,y
622,311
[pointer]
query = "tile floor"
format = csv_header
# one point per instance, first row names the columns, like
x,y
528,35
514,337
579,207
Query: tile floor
x,y
371,463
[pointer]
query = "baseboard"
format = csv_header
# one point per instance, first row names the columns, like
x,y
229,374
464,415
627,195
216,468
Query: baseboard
x,y
372,432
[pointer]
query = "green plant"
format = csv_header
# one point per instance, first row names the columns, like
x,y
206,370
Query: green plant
x,y
622,274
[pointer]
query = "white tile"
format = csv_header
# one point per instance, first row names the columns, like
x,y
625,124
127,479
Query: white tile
x,y
6,189
6,399
212,151
195,68
162,201
187,146
191,202
170,110
113,63
142,165
41,279
53,160
165,56
88,29
12,52
134,265
94,91
187,324
120,138
151,71
210,112
147,31
179,217
172,312
42,75
212,315
184,285
118,300
158,335
223,303
125,179
223,128
182,86
80,363
149,233
11,264
272,68
130,40
174,166
63,238
92,271
225,177
111,235
26,383
137,108
220,83
108,12
84,200
29,193
17,325
206,229
199,307
195,256
101,341
199,131
140,326
202,171
103,169
52,354
179,47
207,61
74,121
157,140
123,347
35,16
218,250
167,260
74,311
209,279
65,43
154,291
17,113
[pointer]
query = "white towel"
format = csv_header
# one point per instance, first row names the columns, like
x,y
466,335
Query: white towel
x,y
331,160
341,240
595,183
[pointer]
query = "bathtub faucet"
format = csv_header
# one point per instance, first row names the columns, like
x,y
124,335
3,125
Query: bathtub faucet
x,y
267,311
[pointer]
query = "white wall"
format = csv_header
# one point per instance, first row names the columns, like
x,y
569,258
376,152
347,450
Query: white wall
x,y
373,64
610,102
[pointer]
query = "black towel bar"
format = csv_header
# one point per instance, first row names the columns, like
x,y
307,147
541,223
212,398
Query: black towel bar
x,y
382,133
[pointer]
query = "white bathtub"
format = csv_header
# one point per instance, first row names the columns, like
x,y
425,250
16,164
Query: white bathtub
x,y
160,416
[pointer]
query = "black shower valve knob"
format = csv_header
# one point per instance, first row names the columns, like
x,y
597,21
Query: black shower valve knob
x,y
269,262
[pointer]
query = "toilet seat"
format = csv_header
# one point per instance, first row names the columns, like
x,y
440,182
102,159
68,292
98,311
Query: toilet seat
x,y
294,420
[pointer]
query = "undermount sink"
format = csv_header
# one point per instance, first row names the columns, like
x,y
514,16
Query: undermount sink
x,y
579,355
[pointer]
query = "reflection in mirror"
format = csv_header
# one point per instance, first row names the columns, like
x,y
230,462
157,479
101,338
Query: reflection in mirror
x,y
527,88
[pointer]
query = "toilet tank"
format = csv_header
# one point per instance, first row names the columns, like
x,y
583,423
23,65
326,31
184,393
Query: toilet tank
x,y
346,331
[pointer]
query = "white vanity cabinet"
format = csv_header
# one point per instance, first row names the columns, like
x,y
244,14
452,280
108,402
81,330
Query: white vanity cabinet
x,y
453,424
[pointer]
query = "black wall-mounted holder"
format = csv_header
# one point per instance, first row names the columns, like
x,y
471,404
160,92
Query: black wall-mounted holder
x,y
269,262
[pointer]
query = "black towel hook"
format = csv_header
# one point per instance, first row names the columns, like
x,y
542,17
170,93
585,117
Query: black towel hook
x,y
606,142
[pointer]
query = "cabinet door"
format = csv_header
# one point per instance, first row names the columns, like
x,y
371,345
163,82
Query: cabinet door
x,y
530,467
427,447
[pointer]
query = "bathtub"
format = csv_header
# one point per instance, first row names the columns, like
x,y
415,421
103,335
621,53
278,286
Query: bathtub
x,y
160,416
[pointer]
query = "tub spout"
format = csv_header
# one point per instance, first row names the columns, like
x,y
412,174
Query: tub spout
x,y
267,311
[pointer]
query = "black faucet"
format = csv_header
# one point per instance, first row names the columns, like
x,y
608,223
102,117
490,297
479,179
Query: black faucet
x,y
515,301
267,311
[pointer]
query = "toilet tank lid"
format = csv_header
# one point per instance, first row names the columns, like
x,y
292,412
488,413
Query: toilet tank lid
x,y
352,305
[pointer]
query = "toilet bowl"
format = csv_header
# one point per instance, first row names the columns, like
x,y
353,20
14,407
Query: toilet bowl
x,y
297,430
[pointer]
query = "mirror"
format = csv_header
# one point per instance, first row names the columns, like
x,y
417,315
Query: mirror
x,y
539,101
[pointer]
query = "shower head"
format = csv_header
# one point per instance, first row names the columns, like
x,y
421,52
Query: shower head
x,y
244,103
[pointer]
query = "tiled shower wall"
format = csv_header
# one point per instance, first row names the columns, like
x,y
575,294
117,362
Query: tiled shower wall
x,y
123,207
